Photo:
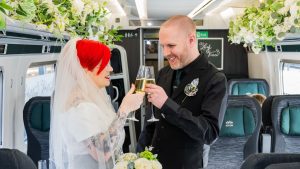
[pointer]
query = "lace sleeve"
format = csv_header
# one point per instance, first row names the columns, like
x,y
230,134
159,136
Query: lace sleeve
x,y
108,145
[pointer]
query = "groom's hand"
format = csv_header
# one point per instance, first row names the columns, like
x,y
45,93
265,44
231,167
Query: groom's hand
x,y
156,95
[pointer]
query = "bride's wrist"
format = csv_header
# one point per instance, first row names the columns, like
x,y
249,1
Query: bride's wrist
x,y
122,112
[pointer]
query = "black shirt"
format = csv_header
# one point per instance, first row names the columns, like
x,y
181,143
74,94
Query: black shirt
x,y
186,122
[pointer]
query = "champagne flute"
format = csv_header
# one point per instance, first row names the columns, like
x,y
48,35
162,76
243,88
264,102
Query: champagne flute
x,y
140,83
150,79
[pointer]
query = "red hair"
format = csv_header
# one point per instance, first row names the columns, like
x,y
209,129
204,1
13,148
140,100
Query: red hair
x,y
91,53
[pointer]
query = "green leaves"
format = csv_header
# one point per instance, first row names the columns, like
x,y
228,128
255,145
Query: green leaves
x,y
21,11
26,10
3,8
2,21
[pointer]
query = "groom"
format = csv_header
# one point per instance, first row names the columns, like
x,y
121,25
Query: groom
x,y
189,97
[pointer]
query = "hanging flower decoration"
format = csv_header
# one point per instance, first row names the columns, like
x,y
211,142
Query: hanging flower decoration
x,y
265,25
78,18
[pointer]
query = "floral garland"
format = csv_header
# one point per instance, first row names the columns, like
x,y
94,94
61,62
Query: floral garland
x,y
78,18
265,25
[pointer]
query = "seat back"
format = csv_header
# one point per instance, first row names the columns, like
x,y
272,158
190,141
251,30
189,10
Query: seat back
x,y
294,165
285,112
239,133
248,86
36,117
15,159
265,160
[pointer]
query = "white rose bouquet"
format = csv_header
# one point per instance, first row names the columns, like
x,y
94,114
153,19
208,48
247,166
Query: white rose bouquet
x,y
143,160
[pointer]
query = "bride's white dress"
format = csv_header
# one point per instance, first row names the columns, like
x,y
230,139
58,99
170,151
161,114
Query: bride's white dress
x,y
86,132
85,126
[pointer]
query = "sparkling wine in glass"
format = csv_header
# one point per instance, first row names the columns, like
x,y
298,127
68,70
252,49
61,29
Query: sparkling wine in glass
x,y
140,83
150,79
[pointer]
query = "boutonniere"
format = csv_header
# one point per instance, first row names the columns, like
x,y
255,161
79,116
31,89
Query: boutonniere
x,y
191,89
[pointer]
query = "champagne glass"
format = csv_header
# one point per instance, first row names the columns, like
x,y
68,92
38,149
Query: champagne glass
x,y
140,83
150,79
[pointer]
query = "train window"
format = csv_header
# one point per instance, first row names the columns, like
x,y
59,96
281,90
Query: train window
x,y
290,77
39,80
1,96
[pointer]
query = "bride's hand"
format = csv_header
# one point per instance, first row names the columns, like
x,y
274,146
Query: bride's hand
x,y
131,101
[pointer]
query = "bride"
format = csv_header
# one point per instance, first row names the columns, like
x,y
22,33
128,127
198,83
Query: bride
x,y
86,133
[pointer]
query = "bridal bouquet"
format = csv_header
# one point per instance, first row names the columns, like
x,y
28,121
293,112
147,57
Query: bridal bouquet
x,y
143,160
267,24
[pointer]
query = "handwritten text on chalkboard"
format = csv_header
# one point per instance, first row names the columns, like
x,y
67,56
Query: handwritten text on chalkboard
x,y
212,48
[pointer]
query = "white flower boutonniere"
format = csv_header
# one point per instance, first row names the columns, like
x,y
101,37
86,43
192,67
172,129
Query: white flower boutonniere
x,y
191,89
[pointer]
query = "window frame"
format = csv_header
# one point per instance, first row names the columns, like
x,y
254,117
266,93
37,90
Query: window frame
x,y
32,65
281,67
1,107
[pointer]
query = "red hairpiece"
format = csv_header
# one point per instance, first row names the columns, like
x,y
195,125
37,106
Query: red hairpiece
x,y
91,53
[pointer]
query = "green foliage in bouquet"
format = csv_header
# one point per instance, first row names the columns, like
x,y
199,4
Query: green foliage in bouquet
x,y
266,24
78,18
147,154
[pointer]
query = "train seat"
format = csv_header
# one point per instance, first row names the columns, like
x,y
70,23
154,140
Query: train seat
x,y
248,86
239,133
36,117
15,159
272,161
294,165
285,116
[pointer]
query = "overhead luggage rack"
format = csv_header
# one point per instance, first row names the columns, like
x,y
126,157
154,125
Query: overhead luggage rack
x,y
290,44
21,38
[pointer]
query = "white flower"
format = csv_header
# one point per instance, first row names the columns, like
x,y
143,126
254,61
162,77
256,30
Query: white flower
x,y
289,3
284,10
142,163
77,6
294,9
105,37
88,9
255,48
121,165
128,157
191,88
156,165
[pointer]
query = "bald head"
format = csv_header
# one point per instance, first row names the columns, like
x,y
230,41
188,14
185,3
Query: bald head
x,y
177,36
182,22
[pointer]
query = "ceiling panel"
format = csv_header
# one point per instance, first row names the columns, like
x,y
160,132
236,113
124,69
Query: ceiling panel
x,y
163,9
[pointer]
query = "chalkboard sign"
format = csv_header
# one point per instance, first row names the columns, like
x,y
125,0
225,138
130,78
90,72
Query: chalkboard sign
x,y
212,48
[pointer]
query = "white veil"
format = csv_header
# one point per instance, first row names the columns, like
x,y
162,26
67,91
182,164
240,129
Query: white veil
x,y
73,86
